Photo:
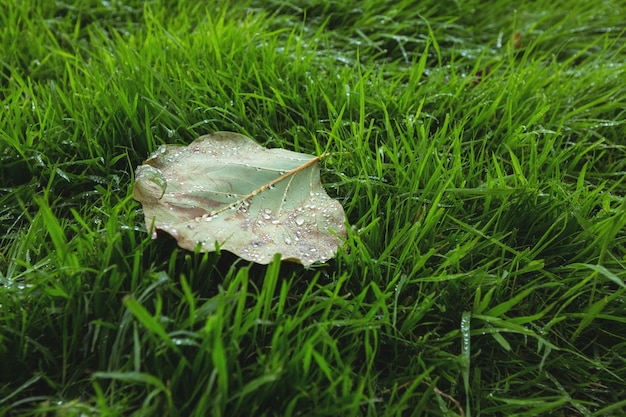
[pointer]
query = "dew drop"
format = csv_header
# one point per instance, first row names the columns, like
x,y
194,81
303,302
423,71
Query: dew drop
x,y
299,221
288,241
266,216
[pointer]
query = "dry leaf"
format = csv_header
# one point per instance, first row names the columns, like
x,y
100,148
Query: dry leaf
x,y
225,189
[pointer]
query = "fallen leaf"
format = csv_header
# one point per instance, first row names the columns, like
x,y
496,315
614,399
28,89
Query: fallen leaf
x,y
516,40
480,75
224,190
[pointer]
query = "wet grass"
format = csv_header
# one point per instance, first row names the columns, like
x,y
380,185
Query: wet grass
x,y
479,153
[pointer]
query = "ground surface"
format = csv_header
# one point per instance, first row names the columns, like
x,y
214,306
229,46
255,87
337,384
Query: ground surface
x,y
478,149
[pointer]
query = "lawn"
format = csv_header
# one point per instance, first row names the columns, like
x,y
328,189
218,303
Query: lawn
x,y
477,148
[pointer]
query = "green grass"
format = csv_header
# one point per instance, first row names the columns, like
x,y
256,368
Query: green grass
x,y
482,178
